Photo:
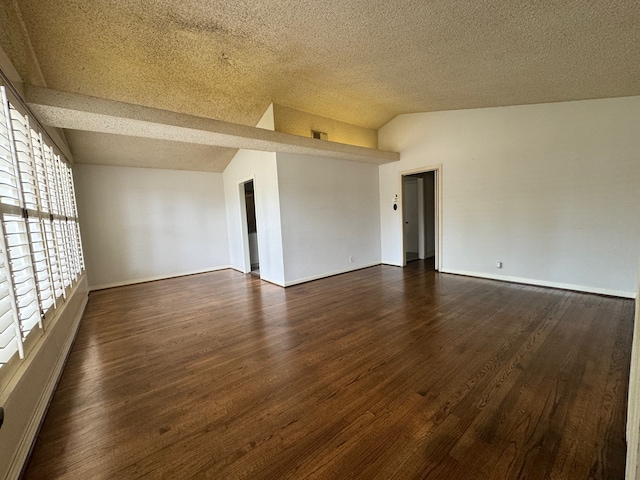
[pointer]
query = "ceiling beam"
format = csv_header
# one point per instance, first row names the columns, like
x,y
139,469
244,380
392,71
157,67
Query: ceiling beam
x,y
80,112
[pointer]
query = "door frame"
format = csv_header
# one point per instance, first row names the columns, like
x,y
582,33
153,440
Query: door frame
x,y
407,180
437,169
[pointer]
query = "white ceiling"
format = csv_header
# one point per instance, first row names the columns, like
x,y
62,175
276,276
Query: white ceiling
x,y
357,61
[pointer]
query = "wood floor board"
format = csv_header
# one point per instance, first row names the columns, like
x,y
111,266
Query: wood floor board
x,y
379,373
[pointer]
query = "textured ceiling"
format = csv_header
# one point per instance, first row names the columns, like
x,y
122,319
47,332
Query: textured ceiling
x,y
357,61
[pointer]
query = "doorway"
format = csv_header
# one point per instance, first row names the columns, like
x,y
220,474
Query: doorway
x,y
420,217
252,230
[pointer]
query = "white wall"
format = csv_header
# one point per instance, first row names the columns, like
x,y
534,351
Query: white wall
x,y
551,190
139,224
329,211
261,168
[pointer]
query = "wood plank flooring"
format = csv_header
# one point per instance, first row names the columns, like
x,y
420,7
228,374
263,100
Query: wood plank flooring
x,y
382,373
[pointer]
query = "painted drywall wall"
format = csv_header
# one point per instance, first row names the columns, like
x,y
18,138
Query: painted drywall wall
x,y
297,122
261,168
139,224
550,190
633,409
329,211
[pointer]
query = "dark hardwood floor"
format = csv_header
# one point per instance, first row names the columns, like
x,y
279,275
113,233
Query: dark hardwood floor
x,y
380,373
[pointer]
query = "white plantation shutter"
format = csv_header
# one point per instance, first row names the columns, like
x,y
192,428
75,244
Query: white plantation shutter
x,y
40,248
50,168
72,225
76,227
63,256
26,170
66,172
62,186
29,152
24,285
74,263
49,227
9,187
40,170
52,249
41,263
78,240
10,337
58,207
64,181
43,260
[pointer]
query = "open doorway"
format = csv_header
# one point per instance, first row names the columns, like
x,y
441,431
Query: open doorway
x,y
252,230
420,217
411,217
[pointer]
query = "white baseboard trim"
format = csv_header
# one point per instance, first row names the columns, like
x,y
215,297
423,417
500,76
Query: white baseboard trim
x,y
543,283
261,277
329,274
393,264
157,277
273,282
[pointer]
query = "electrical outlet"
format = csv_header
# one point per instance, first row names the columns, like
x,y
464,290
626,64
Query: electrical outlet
x,y
499,265
351,259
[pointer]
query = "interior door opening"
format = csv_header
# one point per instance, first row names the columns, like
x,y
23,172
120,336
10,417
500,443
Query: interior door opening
x,y
252,230
420,218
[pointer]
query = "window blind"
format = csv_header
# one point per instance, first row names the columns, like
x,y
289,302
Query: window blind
x,y
24,285
10,337
40,245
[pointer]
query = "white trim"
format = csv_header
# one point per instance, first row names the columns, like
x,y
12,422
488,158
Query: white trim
x,y
123,283
393,264
422,250
266,279
330,274
401,176
274,282
632,470
544,283
437,171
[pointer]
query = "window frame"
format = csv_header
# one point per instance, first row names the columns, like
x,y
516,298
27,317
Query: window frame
x,y
41,258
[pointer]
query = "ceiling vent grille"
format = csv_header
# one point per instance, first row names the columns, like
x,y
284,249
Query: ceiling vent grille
x,y
319,135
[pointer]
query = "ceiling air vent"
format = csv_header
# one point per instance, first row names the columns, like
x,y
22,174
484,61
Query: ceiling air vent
x,y
319,135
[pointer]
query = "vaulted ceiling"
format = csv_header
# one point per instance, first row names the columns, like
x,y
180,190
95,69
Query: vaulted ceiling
x,y
361,62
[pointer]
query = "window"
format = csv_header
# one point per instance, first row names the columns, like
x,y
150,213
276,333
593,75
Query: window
x,y
40,249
